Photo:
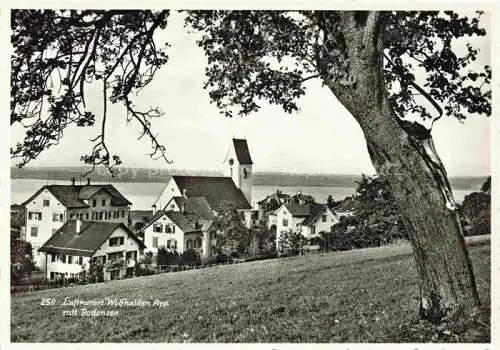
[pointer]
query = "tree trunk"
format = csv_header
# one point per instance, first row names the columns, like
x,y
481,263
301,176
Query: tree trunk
x,y
418,181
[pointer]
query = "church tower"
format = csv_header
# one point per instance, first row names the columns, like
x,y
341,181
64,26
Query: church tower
x,y
238,166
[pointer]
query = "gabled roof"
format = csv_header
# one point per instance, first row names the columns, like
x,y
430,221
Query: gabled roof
x,y
242,151
73,196
195,205
188,223
316,211
215,189
91,237
303,210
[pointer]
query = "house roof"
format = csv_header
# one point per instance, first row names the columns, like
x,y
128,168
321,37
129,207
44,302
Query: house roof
x,y
242,151
188,223
316,210
92,235
73,196
195,205
276,195
304,210
215,189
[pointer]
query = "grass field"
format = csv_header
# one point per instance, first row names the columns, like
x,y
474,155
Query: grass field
x,y
356,296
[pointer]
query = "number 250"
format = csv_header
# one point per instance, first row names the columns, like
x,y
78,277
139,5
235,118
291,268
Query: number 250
x,y
48,301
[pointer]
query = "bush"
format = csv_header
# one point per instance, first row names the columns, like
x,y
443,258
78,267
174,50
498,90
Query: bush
x,y
221,257
190,257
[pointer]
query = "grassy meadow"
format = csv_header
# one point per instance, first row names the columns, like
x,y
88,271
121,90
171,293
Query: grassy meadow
x,y
355,296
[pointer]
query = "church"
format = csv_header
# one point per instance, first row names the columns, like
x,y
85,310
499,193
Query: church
x,y
234,187
186,208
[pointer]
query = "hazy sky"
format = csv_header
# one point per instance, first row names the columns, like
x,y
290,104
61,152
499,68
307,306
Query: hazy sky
x,y
321,138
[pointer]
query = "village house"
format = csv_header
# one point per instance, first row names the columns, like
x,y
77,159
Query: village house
x,y
269,206
185,223
274,199
308,219
77,244
52,205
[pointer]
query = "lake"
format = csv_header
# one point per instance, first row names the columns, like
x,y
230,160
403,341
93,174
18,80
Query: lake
x,y
143,194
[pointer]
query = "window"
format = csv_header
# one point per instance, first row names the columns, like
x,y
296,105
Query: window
x,y
86,216
189,244
81,216
71,216
103,202
94,202
70,259
46,203
37,216
34,232
55,217
101,215
168,228
285,222
61,217
155,242
105,215
245,173
116,241
168,244
174,244
53,258
109,215
197,243
64,259
123,213
158,228
323,218
80,260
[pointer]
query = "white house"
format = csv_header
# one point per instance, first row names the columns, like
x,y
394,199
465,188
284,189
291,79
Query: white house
x,y
78,244
180,231
308,219
52,205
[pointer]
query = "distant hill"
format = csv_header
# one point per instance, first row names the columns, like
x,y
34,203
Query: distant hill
x,y
260,178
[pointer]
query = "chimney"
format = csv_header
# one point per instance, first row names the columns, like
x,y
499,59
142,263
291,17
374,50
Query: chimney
x,y
78,226
73,181
88,181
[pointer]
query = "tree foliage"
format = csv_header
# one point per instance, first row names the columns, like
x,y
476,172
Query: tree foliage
x,y
486,186
59,55
232,235
376,219
21,260
253,56
291,242
269,55
476,214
